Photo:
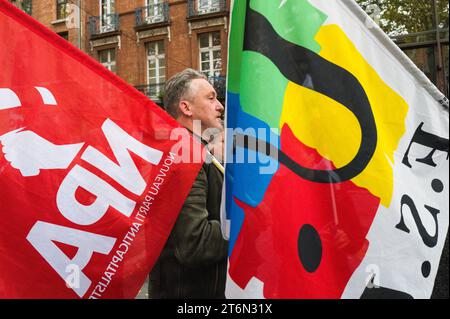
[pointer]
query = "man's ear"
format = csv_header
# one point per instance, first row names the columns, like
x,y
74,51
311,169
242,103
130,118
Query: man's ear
x,y
185,108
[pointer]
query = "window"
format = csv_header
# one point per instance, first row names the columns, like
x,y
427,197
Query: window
x,y
210,54
61,9
154,11
156,67
25,5
107,7
206,6
108,59
107,19
64,35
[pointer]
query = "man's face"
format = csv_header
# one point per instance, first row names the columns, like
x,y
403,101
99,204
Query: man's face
x,y
205,106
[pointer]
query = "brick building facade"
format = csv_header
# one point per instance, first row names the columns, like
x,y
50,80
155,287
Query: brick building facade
x,y
144,42
147,41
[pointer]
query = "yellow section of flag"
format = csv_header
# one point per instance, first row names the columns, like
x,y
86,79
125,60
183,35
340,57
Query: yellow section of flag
x,y
331,129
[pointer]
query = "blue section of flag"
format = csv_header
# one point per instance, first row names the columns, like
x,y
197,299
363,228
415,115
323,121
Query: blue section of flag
x,y
248,174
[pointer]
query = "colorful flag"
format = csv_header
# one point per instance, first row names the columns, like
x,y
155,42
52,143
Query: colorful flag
x,y
89,187
337,161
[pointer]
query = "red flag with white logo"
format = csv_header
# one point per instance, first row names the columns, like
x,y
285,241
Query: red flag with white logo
x,y
89,187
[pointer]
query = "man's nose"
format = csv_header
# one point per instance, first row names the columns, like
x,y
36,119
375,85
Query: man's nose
x,y
219,107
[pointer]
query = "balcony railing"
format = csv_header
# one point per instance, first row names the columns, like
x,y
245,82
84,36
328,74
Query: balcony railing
x,y
202,7
155,92
104,24
151,14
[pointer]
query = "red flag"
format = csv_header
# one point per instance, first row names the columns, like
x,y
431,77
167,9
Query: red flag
x,y
89,187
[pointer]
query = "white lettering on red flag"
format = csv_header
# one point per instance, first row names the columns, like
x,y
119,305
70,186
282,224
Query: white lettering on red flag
x,y
89,186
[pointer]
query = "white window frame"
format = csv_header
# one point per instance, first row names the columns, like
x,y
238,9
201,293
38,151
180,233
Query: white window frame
x,y
156,57
155,15
110,9
210,49
109,62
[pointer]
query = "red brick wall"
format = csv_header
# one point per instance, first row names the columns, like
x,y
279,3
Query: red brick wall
x,y
181,48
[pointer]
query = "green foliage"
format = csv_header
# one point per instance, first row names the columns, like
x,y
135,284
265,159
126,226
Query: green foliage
x,y
406,16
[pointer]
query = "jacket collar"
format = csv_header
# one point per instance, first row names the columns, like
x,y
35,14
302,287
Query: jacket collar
x,y
213,160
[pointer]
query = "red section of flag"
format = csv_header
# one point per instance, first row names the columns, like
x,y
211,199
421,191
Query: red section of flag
x,y
267,247
57,106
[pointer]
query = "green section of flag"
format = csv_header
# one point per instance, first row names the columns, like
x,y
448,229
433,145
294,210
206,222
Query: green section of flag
x,y
236,45
297,21
258,81
262,88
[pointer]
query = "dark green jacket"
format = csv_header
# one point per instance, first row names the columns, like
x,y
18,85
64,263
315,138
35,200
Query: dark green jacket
x,y
194,260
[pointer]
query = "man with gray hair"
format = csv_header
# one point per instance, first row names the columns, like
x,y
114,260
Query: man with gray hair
x,y
194,260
